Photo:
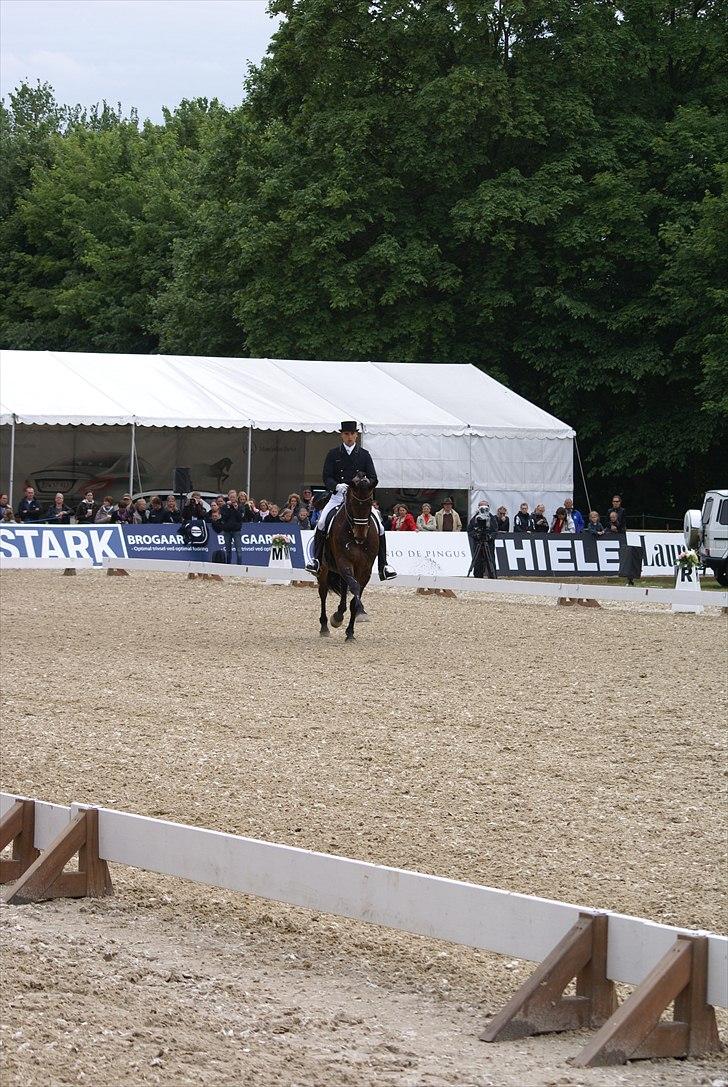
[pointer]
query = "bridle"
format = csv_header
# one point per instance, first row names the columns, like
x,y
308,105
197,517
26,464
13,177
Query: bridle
x,y
358,520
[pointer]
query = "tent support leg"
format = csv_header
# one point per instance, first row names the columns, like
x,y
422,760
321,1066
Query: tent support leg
x,y
12,461
250,459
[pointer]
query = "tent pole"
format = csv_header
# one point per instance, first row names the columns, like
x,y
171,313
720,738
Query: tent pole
x,y
132,455
250,458
12,461
583,477
470,471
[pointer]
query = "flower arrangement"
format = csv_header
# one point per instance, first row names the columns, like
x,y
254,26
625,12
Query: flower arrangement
x,y
687,559
281,541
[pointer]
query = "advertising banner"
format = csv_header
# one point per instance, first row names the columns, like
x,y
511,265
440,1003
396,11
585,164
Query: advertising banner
x,y
428,553
99,542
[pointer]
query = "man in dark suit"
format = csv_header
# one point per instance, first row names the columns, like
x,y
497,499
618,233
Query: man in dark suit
x,y
341,465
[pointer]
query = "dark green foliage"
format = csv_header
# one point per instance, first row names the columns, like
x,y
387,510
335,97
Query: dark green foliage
x,y
537,186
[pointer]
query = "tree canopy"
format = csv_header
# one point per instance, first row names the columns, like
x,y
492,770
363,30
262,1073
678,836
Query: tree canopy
x,y
537,187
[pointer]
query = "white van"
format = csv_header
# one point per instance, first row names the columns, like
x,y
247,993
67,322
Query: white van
x,y
706,530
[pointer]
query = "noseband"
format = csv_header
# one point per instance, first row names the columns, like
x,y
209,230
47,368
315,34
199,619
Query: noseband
x,y
359,520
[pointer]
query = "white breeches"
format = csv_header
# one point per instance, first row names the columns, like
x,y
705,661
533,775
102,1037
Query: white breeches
x,y
333,504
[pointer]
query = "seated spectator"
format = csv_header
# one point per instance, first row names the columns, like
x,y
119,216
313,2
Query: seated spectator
x,y
231,519
171,514
105,511
287,515
540,524
574,514
594,526
29,508
141,513
194,508
8,516
612,525
304,518
523,521
156,511
58,513
618,508
3,505
403,521
448,519
562,522
426,521
87,509
274,513
504,521
124,512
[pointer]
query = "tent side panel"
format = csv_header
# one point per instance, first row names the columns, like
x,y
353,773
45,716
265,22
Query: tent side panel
x,y
420,460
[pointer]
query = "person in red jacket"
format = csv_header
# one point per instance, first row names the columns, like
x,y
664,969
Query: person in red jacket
x,y
403,521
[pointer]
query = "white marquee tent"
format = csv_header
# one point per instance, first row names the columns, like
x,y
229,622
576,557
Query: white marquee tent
x,y
427,425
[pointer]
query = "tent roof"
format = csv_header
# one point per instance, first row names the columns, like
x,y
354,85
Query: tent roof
x,y
188,391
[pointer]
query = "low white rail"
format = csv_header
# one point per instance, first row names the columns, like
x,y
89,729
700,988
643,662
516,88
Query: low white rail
x,y
443,909
521,587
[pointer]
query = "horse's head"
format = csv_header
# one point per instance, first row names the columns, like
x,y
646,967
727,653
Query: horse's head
x,y
359,500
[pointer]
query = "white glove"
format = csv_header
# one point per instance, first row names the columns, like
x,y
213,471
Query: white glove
x,y
342,488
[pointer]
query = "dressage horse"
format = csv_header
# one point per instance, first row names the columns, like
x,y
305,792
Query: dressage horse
x,y
350,552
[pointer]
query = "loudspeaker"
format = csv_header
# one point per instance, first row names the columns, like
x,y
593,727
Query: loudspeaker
x,y
181,481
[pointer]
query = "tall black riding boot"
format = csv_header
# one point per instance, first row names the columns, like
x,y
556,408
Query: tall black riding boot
x,y
319,539
385,572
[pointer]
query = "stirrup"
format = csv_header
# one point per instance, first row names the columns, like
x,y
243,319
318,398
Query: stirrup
x,y
313,566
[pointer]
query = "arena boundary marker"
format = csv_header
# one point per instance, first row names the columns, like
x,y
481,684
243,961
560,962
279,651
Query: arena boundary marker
x,y
582,590
664,962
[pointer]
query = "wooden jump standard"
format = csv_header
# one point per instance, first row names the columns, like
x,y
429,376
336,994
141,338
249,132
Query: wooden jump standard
x,y
596,948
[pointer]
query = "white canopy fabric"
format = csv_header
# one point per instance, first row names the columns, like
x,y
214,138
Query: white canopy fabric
x,y
435,425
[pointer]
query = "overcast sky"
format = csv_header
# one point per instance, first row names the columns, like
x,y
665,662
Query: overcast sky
x,y
143,53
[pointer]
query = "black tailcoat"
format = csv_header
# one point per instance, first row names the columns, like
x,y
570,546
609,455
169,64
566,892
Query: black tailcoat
x,y
341,467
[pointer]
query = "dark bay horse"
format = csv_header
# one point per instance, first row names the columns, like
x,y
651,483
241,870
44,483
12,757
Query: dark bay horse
x,y
350,552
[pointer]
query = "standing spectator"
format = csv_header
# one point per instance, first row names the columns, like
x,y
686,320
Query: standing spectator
x,y
287,515
618,508
540,524
574,514
58,513
29,509
3,505
156,512
613,524
523,521
504,521
403,521
307,498
426,521
293,503
274,514
248,507
194,509
8,516
105,511
87,509
216,516
482,531
304,518
263,509
594,526
141,513
171,515
231,518
562,522
124,512
448,519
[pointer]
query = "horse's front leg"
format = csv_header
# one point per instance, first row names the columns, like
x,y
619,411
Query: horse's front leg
x,y
338,617
355,605
323,591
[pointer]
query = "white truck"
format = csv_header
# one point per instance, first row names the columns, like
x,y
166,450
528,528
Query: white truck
x,y
706,531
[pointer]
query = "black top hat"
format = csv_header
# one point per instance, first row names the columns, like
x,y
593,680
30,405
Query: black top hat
x,y
350,425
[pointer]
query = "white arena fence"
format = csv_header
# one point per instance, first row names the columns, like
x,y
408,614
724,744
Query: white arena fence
x,y
570,589
520,926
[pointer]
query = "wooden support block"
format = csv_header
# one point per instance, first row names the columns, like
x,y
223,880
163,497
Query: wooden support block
x,y
539,1006
635,1030
18,826
587,602
69,572
46,878
566,601
448,592
115,571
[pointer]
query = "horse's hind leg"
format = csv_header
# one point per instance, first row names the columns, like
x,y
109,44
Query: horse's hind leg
x,y
323,590
338,617
353,612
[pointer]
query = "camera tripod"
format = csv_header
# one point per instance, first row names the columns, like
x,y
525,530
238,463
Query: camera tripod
x,y
484,555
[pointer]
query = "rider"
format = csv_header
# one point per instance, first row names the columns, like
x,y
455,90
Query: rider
x,y
340,467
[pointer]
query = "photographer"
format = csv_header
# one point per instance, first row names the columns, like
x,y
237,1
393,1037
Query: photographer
x,y
482,531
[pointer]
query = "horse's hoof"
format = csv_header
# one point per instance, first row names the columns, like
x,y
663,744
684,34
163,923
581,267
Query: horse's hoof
x,y
349,637
336,621
324,632
362,617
